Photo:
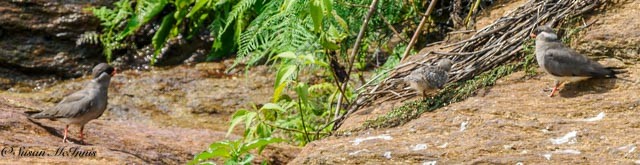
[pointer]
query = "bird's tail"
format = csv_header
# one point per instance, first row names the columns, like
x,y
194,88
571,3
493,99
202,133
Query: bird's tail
x,y
39,115
615,71
32,112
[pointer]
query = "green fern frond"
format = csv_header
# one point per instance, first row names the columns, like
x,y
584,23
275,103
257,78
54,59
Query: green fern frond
x,y
238,9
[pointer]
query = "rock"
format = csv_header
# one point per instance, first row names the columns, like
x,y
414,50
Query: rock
x,y
614,34
38,40
163,116
38,44
514,121
121,142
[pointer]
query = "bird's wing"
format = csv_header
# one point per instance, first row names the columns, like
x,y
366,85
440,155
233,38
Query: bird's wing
x,y
71,106
436,77
564,62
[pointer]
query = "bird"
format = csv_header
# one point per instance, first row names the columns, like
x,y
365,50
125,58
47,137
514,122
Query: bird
x,y
428,78
84,105
564,63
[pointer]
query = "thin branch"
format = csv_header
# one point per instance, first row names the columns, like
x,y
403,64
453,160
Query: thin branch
x,y
356,48
418,30
304,128
291,130
390,26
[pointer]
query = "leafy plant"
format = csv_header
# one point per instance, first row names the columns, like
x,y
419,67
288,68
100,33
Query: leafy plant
x,y
233,151
257,135
112,21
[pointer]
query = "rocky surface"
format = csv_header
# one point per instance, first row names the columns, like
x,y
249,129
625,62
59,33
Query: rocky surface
x,y
126,142
38,41
614,33
163,116
589,122
38,44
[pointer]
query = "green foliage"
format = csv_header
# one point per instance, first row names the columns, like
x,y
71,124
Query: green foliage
x,y
256,136
145,11
112,21
233,151
301,120
307,115
296,36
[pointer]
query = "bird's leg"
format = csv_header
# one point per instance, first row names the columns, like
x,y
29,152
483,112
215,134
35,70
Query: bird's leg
x,y
81,134
555,88
64,139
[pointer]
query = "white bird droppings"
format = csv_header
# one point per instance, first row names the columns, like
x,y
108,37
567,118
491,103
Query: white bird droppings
x,y
419,147
463,125
569,137
387,155
569,151
360,140
356,152
443,145
599,117
547,156
429,163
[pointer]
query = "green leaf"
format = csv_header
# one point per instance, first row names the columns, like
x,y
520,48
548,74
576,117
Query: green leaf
x,y
237,117
222,46
199,4
287,4
315,10
287,55
328,44
200,157
162,35
246,160
285,73
217,149
145,11
302,89
263,130
327,5
272,106
247,123
237,11
259,143
231,162
340,21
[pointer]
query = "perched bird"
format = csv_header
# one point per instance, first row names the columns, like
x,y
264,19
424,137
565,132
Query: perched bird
x,y
429,78
84,105
563,63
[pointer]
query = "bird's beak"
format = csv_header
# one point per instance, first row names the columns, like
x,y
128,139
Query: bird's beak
x,y
115,70
532,35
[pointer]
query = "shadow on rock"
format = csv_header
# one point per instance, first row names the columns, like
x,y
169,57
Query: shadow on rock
x,y
54,132
591,86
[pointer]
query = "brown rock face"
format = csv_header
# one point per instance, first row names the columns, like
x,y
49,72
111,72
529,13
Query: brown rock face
x,y
38,40
38,44
590,122
615,33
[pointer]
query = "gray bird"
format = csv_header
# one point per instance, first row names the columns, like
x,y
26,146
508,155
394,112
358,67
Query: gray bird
x,y
84,105
563,63
429,78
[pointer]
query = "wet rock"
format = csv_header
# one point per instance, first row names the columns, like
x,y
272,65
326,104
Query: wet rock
x,y
38,44
38,41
